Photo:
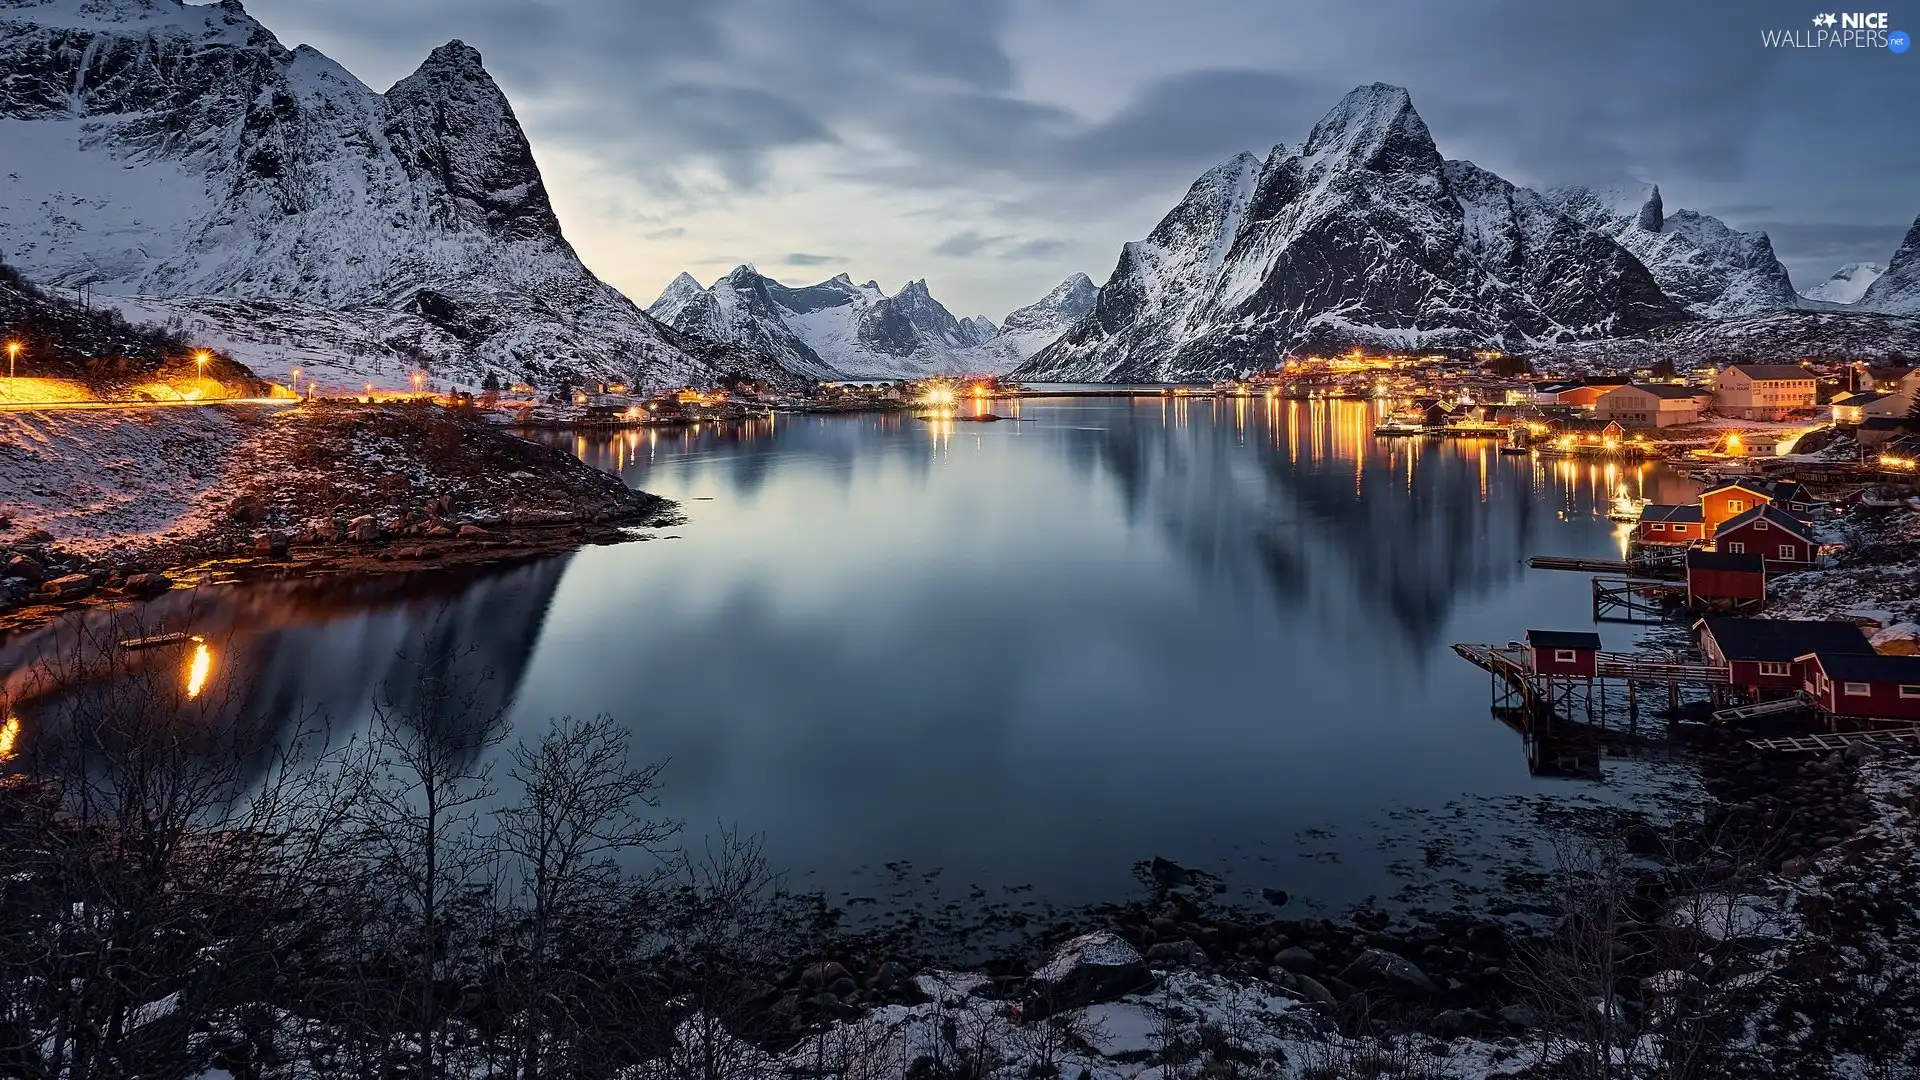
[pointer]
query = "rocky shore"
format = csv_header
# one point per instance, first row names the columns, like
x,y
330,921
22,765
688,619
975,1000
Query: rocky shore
x,y
319,489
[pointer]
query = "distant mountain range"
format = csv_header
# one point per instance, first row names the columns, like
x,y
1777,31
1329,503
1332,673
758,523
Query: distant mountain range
x,y
837,330
194,173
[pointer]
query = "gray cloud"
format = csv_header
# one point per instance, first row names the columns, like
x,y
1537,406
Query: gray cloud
x,y
802,258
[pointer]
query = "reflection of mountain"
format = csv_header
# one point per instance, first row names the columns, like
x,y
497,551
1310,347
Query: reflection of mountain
x,y
1323,518
299,650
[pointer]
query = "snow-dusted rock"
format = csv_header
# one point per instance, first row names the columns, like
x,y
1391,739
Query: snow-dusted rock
x,y
1847,285
1709,268
1091,968
1362,235
1898,639
1897,292
180,151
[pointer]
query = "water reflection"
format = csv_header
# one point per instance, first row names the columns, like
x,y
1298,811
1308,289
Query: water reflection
x,y
1028,652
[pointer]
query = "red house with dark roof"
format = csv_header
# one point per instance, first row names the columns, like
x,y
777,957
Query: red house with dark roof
x,y
1565,652
1864,685
1764,654
1730,500
1784,541
1718,580
1661,523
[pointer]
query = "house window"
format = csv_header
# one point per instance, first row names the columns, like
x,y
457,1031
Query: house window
x,y
1908,690
1563,656
1858,689
1734,506
1787,553
1761,525
1776,669
1657,527
1737,548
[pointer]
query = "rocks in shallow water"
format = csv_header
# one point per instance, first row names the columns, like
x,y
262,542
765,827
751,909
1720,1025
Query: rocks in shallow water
x,y
1168,874
1089,969
1391,972
1276,897
823,974
1183,953
70,587
26,568
1297,959
146,584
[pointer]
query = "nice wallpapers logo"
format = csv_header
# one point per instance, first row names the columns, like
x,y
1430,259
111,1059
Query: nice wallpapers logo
x,y
1841,30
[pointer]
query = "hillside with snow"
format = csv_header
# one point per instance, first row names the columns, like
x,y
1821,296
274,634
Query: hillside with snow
x,y
179,157
1847,285
1712,270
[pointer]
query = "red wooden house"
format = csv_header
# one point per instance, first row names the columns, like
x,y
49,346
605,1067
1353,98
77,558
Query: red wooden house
x,y
1661,523
1565,652
1762,655
1865,685
1723,581
1784,541
1730,500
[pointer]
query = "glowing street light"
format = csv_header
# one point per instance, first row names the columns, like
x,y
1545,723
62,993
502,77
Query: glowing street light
x,y
13,355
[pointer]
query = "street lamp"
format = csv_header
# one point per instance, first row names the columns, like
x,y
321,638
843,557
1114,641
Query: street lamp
x,y
13,356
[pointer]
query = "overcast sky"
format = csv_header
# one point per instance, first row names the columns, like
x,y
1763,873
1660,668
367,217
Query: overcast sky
x,y
995,146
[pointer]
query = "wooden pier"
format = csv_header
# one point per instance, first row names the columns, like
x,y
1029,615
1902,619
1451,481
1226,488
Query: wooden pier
x,y
1827,742
1585,566
1635,599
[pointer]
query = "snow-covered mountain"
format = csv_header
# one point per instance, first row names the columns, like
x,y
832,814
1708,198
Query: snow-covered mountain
x,y
1847,284
1709,268
1362,235
180,152
1035,326
837,329
1823,334
1897,292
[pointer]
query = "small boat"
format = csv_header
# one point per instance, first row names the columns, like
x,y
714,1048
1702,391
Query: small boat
x,y
1626,508
155,641
1510,448
1389,428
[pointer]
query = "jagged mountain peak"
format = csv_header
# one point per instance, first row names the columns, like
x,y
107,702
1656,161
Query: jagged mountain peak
x,y
1897,292
1709,267
179,157
1375,126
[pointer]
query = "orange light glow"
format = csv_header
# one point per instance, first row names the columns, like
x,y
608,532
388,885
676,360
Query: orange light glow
x,y
9,737
198,669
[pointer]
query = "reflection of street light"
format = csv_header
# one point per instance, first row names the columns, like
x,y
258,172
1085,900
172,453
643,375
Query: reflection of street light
x,y
13,355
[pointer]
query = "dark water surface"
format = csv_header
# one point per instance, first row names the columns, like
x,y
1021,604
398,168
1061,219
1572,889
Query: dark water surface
x,y
1030,654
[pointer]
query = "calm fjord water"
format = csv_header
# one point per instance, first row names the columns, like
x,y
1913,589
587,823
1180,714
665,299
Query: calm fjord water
x,y
1029,653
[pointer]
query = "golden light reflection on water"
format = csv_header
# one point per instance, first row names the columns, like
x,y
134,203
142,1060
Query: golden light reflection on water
x,y
199,669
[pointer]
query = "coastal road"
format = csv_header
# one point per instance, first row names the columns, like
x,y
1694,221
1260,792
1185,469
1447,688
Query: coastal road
x,y
68,406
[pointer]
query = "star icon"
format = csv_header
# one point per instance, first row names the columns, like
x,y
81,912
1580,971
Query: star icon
x,y
1830,19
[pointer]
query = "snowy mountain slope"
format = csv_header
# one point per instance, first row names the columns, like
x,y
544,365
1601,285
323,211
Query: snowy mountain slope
x,y
1707,267
181,151
1361,235
1897,292
836,329
1034,327
1847,284
1766,336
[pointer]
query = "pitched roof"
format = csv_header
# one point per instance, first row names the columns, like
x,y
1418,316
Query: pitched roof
x,y
1563,639
1780,640
1698,559
1665,512
1748,484
1868,667
1772,371
1670,391
1859,397
1775,517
